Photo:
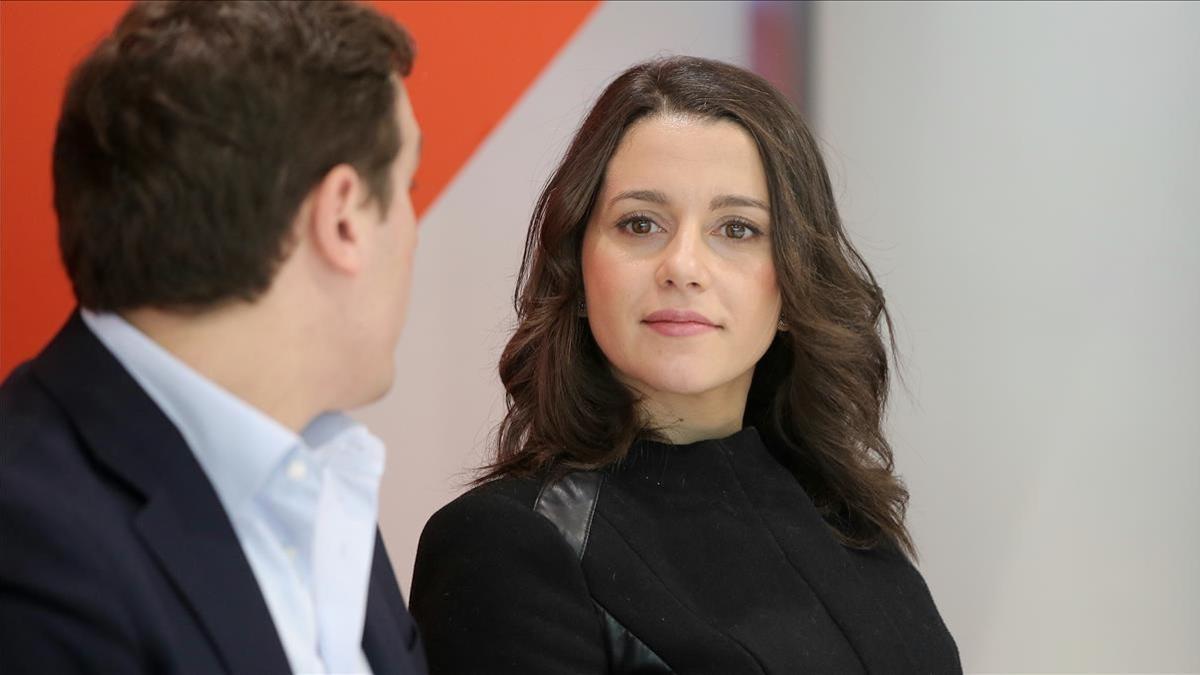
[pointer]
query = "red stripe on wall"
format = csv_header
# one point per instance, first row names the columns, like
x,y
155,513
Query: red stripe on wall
x,y
474,61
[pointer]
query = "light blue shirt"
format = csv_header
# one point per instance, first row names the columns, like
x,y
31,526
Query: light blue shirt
x,y
304,507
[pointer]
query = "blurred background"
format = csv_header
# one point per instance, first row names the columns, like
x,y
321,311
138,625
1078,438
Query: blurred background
x,y
1024,179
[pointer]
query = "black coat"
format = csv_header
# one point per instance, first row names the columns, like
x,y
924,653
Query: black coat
x,y
115,553
703,558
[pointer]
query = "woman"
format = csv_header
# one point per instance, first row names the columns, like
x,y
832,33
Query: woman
x,y
691,476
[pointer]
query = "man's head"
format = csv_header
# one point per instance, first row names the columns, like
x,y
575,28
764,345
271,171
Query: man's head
x,y
205,147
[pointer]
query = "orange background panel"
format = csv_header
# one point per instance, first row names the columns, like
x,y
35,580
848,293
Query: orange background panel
x,y
474,60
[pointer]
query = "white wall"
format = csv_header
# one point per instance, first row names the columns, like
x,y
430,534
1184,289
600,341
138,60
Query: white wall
x,y
1026,180
438,418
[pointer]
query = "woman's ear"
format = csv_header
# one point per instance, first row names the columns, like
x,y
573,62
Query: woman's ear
x,y
337,220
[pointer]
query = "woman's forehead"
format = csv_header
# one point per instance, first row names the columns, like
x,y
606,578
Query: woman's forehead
x,y
686,158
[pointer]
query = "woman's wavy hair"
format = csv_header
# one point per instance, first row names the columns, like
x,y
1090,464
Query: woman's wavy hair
x,y
819,392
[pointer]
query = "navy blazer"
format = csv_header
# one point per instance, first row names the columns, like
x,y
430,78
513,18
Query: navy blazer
x,y
115,553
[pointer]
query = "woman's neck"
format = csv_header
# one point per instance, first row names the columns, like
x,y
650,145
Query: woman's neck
x,y
688,418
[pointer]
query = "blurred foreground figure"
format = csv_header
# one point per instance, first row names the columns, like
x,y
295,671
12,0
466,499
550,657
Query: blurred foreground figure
x,y
178,489
692,475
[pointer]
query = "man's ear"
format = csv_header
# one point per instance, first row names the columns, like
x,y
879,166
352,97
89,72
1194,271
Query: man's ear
x,y
337,221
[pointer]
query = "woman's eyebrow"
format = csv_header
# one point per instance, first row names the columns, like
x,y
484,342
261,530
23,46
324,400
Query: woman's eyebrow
x,y
726,201
718,202
652,196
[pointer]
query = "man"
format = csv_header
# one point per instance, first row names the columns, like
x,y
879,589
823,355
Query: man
x,y
178,491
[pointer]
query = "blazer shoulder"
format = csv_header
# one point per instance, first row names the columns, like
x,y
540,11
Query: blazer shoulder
x,y
511,496
522,491
40,440
493,519
64,559
897,585
50,489
27,410
497,589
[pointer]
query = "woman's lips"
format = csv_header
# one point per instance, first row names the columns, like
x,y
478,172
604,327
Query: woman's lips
x,y
679,323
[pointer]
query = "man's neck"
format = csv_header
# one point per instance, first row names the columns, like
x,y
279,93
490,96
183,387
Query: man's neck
x,y
248,350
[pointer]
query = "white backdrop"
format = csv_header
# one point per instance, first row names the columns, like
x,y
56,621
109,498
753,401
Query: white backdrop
x,y
1024,180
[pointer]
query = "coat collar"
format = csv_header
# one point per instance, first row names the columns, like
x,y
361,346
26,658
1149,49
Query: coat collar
x,y
181,520
832,571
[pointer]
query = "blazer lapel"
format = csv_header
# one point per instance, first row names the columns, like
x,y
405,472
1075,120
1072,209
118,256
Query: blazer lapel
x,y
390,638
182,521
831,571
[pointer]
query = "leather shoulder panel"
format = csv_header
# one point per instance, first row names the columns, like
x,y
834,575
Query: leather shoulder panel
x,y
630,655
570,503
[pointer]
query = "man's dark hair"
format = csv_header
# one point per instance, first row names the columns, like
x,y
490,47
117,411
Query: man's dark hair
x,y
191,135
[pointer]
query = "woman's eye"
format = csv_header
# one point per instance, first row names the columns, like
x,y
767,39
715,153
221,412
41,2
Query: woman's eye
x,y
639,226
736,230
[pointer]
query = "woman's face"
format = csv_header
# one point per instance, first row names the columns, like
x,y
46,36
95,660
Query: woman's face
x,y
677,269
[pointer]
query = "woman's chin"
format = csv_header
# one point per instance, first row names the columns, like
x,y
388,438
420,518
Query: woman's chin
x,y
680,382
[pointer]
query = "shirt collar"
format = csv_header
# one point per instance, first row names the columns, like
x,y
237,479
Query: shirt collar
x,y
345,445
236,444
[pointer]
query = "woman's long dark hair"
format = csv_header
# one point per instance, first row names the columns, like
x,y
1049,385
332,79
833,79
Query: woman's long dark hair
x,y
819,392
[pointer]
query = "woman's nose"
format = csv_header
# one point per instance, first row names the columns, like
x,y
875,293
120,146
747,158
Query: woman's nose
x,y
684,264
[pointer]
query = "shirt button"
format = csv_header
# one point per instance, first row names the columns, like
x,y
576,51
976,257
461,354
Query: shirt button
x,y
291,552
297,470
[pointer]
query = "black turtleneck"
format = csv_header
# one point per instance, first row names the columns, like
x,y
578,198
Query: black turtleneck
x,y
698,558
